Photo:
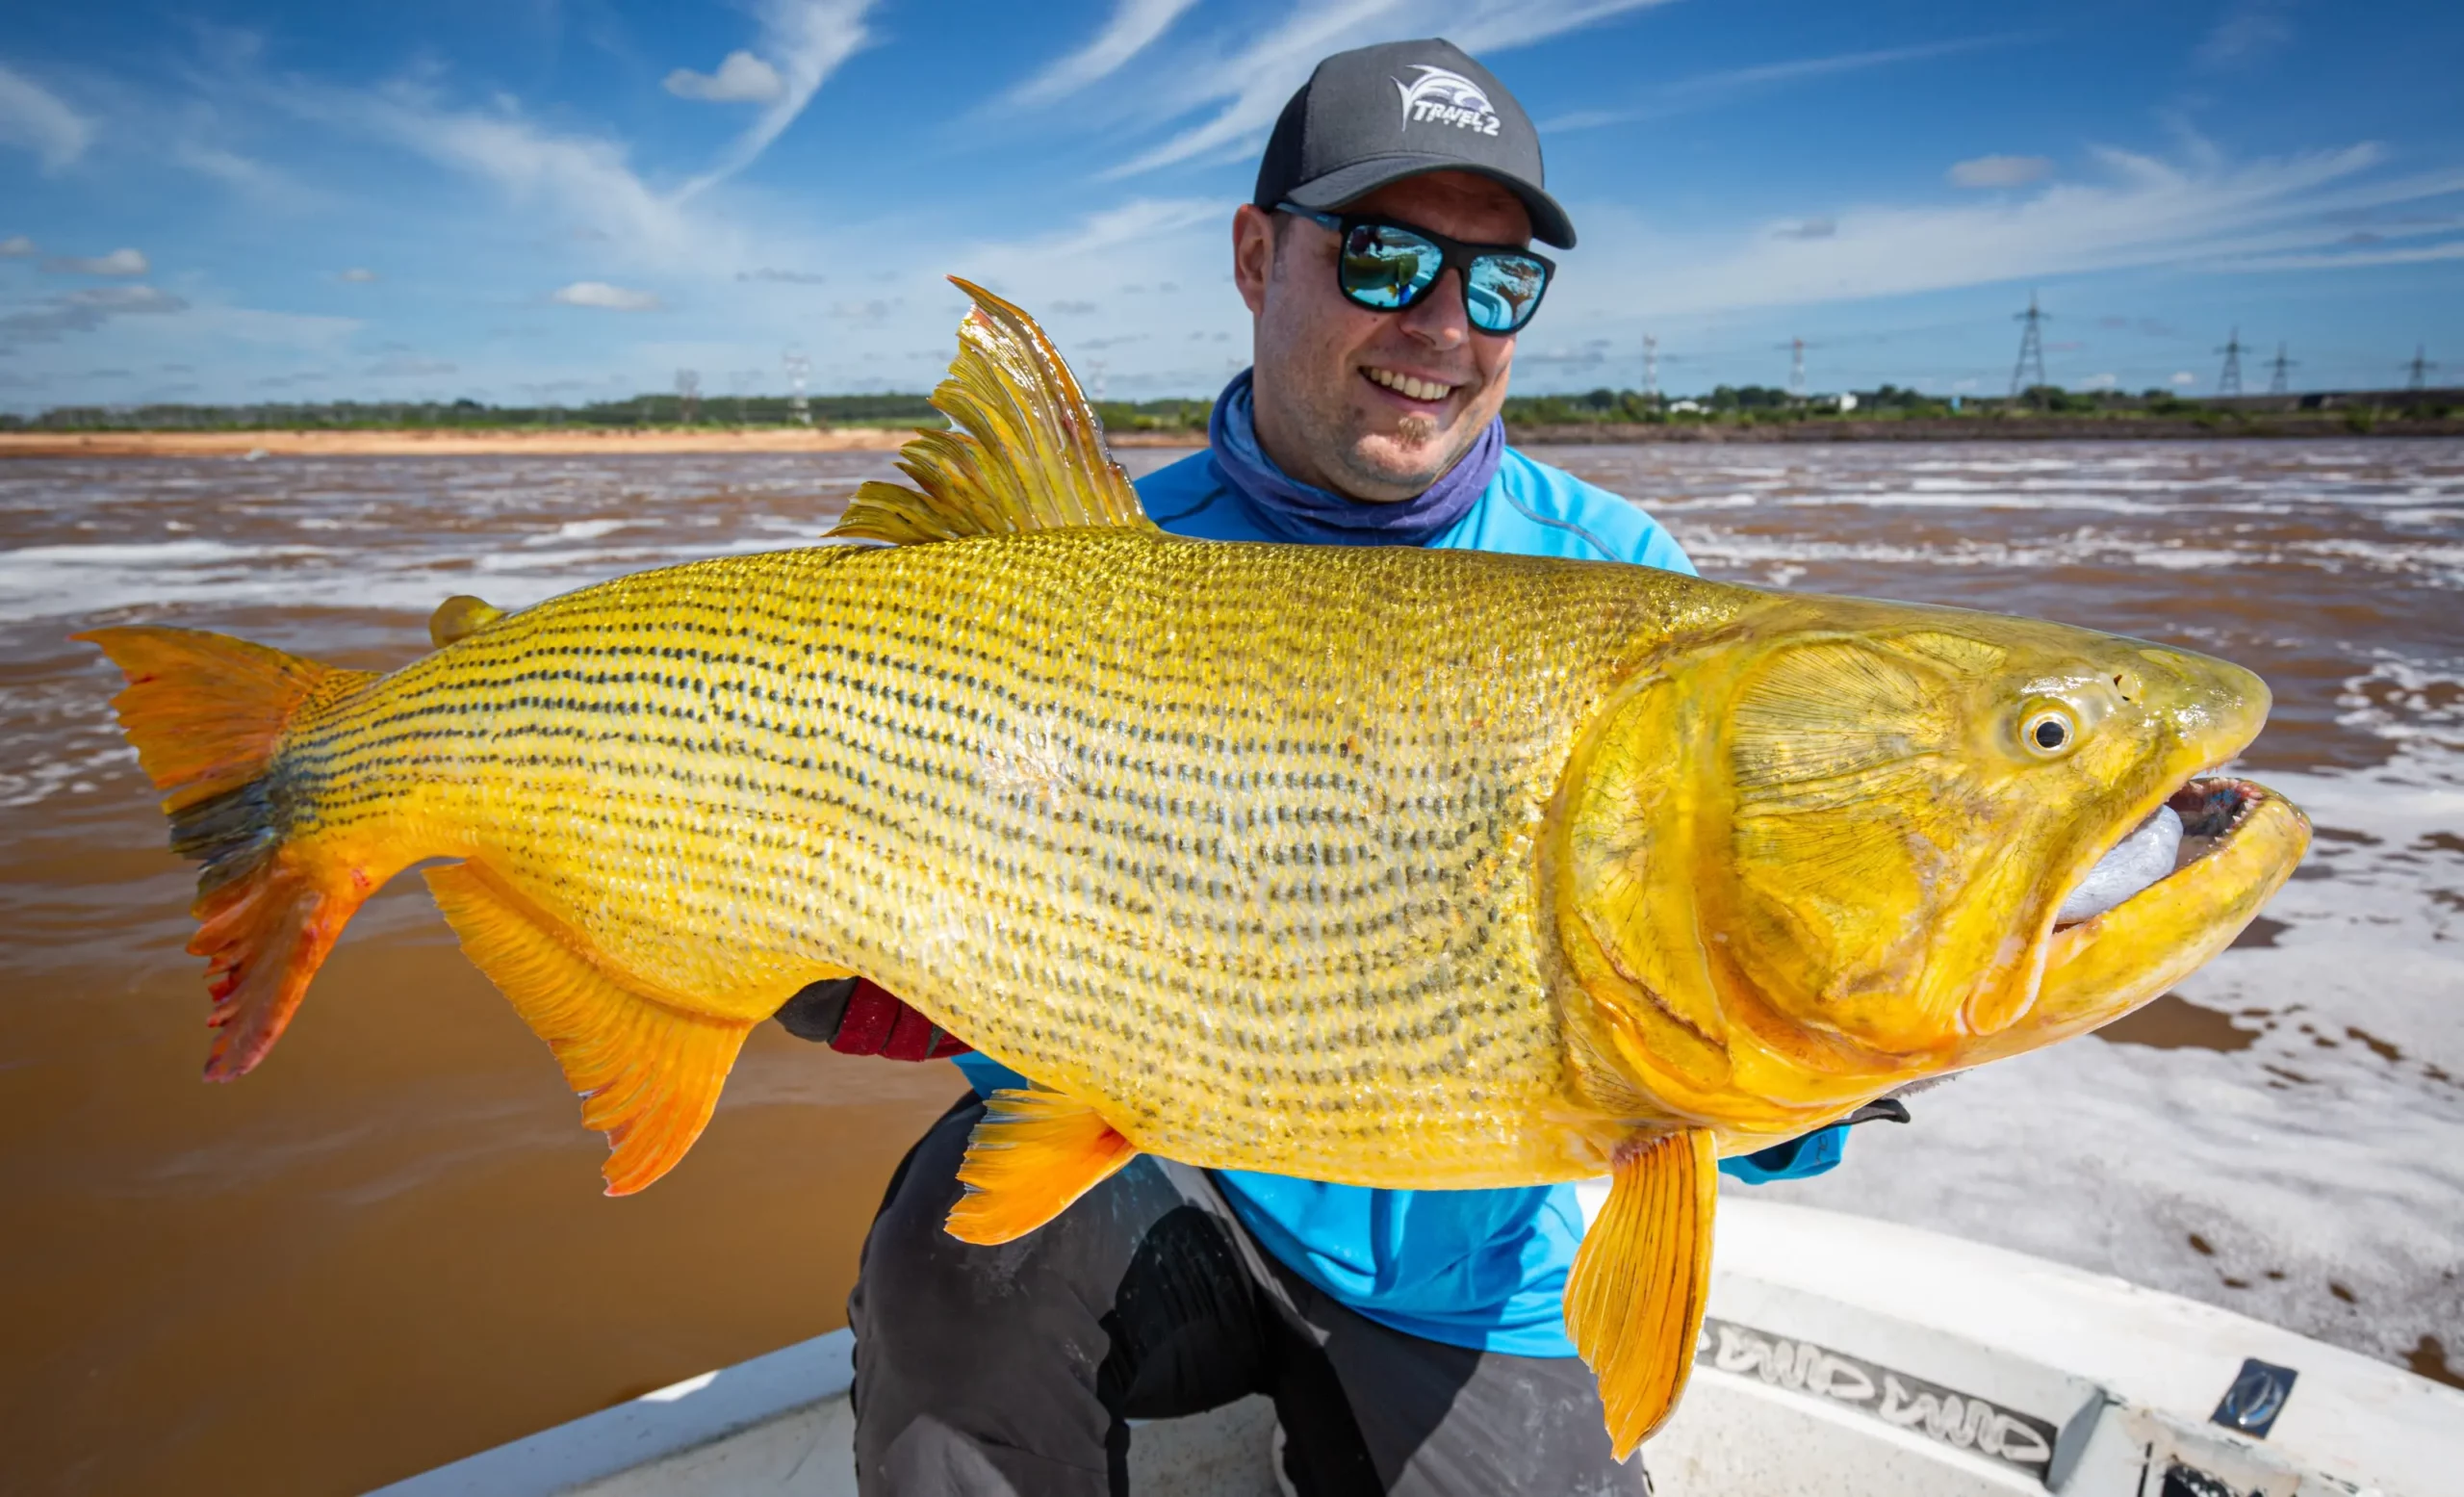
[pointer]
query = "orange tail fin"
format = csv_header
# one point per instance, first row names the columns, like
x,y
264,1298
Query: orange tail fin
x,y
207,713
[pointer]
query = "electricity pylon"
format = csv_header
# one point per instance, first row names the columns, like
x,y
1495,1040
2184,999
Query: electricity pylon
x,y
798,367
2416,372
2229,382
2279,368
2029,372
1797,367
1651,368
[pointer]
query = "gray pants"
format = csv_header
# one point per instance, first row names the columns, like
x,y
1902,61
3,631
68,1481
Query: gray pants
x,y
1016,1368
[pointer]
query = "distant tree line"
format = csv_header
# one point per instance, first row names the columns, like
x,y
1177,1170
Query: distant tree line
x,y
642,410
1731,405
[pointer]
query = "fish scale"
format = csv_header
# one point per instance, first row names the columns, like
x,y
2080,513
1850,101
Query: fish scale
x,y
1233,894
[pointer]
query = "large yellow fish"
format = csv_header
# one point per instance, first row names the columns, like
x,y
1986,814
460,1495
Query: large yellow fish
x,y
1382,867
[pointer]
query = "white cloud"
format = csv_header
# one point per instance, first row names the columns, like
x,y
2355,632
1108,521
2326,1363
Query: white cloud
x,y
16,246
2145,212
2247,34
120,262
1705,90
1135,25
1249,86
2182,380
806,40
2098,382
741,79
37,119
1999,170
606,297
357,275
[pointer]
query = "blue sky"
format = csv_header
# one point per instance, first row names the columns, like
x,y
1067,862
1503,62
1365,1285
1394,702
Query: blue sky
x,y
528,200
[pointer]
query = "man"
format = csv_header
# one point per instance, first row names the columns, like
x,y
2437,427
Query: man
x,y
1412,1341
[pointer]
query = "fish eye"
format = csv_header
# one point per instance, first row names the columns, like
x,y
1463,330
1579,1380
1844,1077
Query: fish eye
x,y
2048,730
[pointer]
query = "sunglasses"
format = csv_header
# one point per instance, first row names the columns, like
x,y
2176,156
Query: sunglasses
x,y
1386,266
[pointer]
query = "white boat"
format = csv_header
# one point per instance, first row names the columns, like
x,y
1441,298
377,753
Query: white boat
x,y
1840,1356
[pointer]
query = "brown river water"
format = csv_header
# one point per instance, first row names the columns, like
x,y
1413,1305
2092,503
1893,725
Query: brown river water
x,y
386,1248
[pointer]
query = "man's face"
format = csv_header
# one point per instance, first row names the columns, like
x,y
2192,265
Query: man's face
x,y
1327,410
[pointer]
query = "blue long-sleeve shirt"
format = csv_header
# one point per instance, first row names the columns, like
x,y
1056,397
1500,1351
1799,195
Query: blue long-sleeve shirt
x,y
1473,1268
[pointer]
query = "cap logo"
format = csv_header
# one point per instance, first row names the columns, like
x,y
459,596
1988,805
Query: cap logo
x,y
1439,98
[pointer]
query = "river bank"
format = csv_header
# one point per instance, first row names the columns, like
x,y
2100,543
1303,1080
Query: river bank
x,y
1993,428
516,442
685,441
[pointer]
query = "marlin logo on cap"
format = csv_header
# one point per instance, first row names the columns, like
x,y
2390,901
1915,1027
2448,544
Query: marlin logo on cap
x,y
1438,96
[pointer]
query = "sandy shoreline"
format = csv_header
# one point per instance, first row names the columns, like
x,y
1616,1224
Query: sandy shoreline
x,y
558,442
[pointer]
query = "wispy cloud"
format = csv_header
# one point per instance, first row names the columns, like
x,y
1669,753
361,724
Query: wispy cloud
x,y
2145,211
2248,33
585,181
1709,91
84,310
37,119
805,41
357,275
1989,172
16,246
1133,26
605,297
405,366
120,262
2417,254
246,173
1247,88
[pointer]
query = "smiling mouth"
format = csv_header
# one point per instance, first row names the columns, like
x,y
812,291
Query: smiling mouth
x,y
2198,820
1410,387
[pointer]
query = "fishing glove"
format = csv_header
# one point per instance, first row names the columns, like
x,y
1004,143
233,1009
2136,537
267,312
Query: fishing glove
x,y
855,1017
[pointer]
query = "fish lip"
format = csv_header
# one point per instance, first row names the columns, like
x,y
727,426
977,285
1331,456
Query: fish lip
x,y
2214,809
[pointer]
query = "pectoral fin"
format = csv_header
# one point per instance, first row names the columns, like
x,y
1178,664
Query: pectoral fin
x,y
1635,1298
1033,1155
649,1073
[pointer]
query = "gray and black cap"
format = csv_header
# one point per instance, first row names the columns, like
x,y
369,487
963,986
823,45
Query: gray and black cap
x,y
1381,113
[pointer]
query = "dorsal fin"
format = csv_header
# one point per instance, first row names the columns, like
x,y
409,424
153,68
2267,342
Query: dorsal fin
x,y
1025,453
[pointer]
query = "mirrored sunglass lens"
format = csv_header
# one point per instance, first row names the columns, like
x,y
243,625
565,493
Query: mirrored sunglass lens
x,y
1387,268
1503,290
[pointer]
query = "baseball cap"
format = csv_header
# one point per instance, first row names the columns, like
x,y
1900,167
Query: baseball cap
x,y
1379,114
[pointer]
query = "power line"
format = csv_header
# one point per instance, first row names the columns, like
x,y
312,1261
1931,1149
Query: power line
x,y
2031,347
2229,382
2278,368
2416,372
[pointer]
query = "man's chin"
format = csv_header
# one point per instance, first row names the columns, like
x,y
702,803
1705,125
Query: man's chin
x,y
1408,459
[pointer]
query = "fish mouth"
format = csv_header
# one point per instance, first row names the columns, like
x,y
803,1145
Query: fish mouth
x,y
2192,823
2239,842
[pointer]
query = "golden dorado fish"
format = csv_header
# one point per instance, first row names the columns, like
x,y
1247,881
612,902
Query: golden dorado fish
x,y
1381,866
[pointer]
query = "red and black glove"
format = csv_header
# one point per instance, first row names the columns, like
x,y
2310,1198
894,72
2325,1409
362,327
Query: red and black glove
x,y
855,1017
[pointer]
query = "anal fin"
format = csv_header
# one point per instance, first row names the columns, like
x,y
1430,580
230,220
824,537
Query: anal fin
x,y
649,1073
1634,1298
1033,1155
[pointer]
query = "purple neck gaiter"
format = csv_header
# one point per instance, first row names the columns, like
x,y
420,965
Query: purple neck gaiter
x,y
1294,512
